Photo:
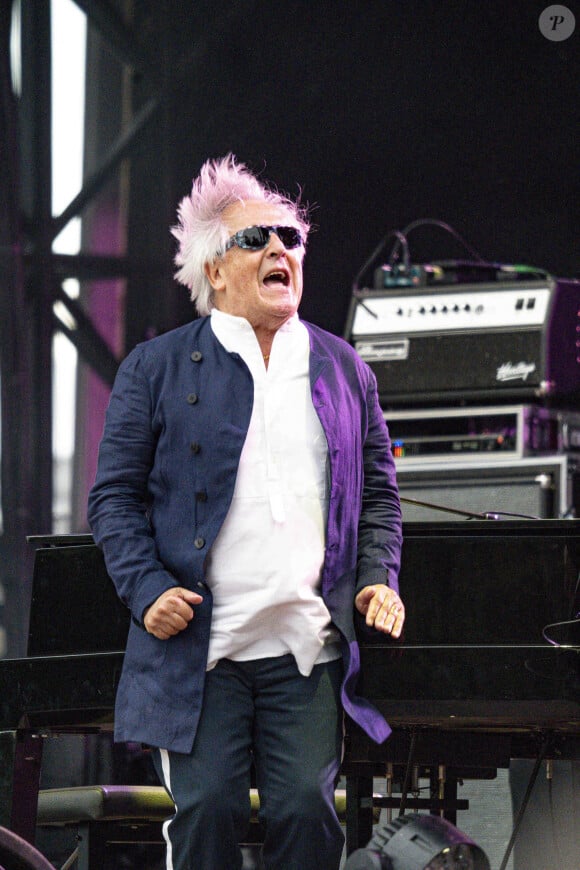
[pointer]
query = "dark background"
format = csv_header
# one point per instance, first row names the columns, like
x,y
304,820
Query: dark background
x,y
383,113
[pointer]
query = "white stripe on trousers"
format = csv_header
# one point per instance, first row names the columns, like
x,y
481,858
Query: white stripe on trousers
x,y
164,755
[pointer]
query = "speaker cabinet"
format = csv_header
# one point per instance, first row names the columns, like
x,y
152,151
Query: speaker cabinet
x,y
536,487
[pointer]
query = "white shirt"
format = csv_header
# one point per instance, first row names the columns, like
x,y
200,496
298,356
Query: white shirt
x,y
264,567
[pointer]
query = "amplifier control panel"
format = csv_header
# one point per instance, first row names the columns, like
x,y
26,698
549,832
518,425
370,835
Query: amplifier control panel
x,y
465,309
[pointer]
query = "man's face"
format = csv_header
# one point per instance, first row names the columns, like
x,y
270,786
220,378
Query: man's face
x,y
263,286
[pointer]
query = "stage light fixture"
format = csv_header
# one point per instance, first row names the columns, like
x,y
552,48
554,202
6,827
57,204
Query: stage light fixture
x,y
418,842
18,854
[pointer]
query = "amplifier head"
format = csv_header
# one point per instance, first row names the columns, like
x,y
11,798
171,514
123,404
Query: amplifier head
x,y
476,343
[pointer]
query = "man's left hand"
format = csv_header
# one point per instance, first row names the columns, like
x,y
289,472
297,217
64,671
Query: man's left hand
x,y
382,609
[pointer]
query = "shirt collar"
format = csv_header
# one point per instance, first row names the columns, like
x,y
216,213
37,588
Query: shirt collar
x,y
236,332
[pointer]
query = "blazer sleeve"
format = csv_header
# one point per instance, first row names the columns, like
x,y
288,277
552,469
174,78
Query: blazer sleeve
x,y
380,523
119,501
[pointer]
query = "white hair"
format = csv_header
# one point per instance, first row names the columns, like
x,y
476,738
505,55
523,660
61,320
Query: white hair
x,y
200,232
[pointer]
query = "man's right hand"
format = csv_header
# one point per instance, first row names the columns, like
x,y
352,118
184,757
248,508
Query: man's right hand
x,y
171,613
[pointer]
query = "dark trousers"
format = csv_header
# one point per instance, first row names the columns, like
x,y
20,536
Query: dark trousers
x,y
290,728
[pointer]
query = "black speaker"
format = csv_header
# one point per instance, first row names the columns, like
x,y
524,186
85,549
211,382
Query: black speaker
x,y
534,487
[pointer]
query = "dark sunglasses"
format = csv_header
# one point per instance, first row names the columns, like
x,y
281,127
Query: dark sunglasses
x,y
256,238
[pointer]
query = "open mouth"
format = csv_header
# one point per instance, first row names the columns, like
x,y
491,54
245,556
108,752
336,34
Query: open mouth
x,y
278,276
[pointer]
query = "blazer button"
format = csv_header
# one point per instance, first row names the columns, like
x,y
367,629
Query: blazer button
x,y
199,543
192,398
196,356
195,447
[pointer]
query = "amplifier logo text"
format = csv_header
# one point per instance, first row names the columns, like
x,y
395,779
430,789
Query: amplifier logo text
x,y
518,372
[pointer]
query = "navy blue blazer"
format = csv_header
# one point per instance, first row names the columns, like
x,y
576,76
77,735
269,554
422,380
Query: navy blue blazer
x,y
177,420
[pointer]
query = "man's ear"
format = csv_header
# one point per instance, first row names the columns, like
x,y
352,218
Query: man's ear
x,y
214,274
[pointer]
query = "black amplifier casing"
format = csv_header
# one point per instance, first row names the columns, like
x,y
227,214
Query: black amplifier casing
x,y
462,366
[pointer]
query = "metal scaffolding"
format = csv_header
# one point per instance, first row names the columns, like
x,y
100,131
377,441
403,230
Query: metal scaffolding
x,y
32,278
141,61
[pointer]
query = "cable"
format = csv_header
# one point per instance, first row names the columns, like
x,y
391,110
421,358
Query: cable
x,y
575,621
406,255
408,773
524,804
495,515
470,515
448,228
402,242
556,845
